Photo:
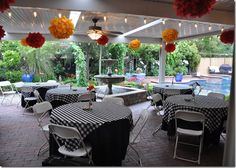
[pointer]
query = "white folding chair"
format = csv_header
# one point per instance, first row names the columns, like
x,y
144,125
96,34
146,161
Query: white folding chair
x,y
189,116
41,110
135,133
217,95
116,100
7,90
67,133
36,97
18,86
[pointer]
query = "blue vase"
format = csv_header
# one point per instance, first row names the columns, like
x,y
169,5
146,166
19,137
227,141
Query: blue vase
x,y
178,77
27,77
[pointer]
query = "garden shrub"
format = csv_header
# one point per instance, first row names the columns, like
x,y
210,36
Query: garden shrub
x,y
13,76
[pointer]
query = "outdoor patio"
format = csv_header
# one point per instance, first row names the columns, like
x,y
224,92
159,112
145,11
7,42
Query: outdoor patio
x,y
21,138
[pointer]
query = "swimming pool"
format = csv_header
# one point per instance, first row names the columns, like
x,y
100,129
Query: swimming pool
x,y
217,85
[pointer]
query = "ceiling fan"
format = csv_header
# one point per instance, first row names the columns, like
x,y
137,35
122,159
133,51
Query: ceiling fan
x,y
95,32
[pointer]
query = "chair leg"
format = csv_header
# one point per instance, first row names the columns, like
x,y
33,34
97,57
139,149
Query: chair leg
x,y
12,98
176,145
158,128
43,149
3,99
139,158
200,149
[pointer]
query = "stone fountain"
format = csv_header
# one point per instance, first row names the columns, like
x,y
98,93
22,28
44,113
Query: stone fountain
x,y
109,79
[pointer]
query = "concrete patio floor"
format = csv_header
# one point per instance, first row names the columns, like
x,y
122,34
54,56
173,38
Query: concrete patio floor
x,y
20,139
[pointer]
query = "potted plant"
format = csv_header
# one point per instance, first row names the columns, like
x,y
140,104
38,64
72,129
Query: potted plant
x,y
179,72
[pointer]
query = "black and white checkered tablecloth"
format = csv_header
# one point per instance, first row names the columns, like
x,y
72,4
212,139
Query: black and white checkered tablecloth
x,y
88,121
28,88
65,95
214,109
182,88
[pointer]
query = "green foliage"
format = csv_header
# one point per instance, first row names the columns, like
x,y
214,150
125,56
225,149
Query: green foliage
x,y
13,76
11,60
70,81
9,46
80,65
185,55
118,51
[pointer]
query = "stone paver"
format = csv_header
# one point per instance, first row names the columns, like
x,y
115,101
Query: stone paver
x,y
20,139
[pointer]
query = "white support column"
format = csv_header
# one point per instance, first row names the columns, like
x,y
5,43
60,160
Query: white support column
x,y
100,60
162,65
229,150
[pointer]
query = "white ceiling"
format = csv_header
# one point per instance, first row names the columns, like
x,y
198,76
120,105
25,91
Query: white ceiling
x,y
22,21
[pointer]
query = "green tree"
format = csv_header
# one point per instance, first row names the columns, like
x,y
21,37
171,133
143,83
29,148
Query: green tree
x,y
80,65
118,51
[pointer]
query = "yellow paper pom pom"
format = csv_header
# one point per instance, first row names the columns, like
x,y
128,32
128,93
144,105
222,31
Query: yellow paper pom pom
x,y
61,28
134,44
169,35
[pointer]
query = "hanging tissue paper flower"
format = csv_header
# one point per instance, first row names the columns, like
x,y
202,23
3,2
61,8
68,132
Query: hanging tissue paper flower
x,y
5,4
193,8
61,28
2,32
35,40
102,40
227,36
23,42
170,47
169,35
91,87
134,44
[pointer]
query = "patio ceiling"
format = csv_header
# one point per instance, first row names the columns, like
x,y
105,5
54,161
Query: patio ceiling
x,y
22,22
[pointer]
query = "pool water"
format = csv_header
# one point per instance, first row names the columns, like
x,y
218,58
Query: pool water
x,y
219,85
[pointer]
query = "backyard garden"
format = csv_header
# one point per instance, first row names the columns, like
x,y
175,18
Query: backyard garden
x,y
71,62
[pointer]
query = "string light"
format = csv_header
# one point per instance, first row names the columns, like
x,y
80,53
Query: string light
x,y
195,25
9,14
160,45
222,29
209,28
163,22
105,18
180,24
82,17
35,14
145,21
59,15
126,20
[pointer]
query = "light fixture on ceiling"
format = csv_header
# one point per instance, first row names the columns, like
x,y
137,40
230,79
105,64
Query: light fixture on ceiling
x,y
35,14
195,25
209,28
94,34
105,18
82,17
145,21
163,21
222,29
9,14
180,24
126,20
59,15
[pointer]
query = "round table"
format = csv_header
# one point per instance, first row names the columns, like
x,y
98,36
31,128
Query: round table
x,y
60,96
106,127
214,109
183,88
28,89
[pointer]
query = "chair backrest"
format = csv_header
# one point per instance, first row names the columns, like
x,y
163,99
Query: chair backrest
x,y
89,96
36,94
18,84
116,100
217,95
42,107
6,85
156,98
190,116
51,81
64,132
139,125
